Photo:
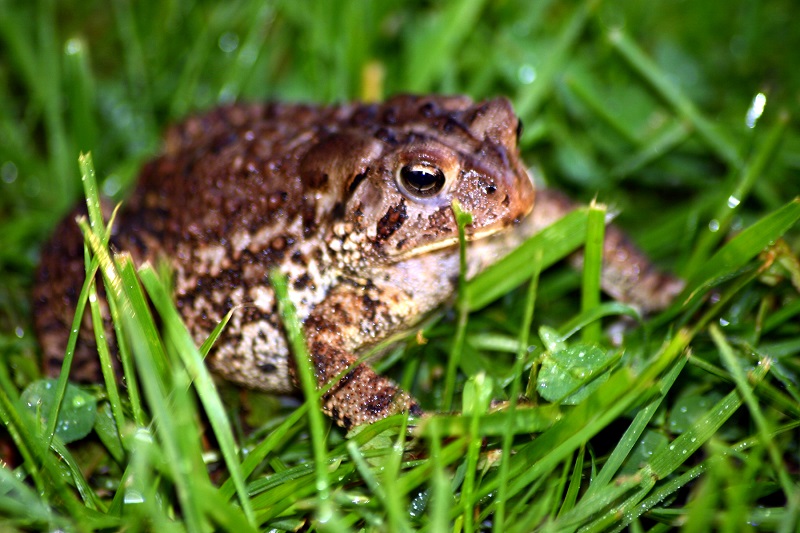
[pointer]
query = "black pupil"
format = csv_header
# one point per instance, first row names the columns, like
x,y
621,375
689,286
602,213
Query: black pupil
x,y
422,180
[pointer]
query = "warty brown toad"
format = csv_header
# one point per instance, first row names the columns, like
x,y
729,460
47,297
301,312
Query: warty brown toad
x,y
353,204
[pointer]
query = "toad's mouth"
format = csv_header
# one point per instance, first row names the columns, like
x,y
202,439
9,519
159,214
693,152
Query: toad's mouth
x,y
451,242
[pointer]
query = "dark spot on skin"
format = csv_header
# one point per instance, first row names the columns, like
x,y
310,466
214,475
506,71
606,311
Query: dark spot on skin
x,y
297,258
392,221
277,199
387,136
400,243
365,115
377,405
317,180
357,179
309,218
353,375
413,137
338,211
358,212
428,109
303,282
370,306
452,124
345,420
390,116
267,368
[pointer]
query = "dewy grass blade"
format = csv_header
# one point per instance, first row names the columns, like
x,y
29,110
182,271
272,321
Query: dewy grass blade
x,y
477,396
128,365
326,513
93,205
462,220
43,466
203,382
634,432
730,205
668,460
80,86
611,399
554,243
745,246
516,389
396,517
592,266
69,354
441,497
731,362
166,390
603,490
170,401
105,361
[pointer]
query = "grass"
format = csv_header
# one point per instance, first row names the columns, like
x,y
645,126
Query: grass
x,y
692,421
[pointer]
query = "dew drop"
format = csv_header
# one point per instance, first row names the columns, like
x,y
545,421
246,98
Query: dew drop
x,y
8,172
73,47
133,496
228,42
756,110
526,74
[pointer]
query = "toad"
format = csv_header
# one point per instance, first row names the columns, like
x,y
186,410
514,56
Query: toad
x,y
353,203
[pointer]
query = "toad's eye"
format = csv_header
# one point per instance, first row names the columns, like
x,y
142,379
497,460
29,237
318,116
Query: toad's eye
x,y
421,179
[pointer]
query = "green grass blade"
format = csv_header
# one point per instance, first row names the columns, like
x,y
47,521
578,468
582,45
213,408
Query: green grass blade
x,y
457,348
325,512
745,246
516,389
733,365
531,99
554,243
680,103
203,382
428,50
592,266
730,205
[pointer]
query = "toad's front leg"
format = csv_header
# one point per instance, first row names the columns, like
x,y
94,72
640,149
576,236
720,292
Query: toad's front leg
x,y
351,318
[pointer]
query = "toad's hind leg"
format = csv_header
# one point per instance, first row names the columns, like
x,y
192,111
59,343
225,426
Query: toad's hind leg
x,y
352,317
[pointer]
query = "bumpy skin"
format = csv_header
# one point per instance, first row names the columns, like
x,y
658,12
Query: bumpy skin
x,y
352,203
